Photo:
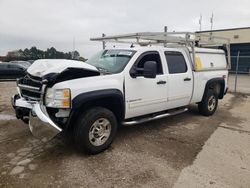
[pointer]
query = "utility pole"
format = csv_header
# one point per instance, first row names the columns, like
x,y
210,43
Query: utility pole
x,y
73,53
103,42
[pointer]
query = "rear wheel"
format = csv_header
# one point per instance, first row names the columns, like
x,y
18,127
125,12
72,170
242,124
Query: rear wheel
x,y
95,130
209,103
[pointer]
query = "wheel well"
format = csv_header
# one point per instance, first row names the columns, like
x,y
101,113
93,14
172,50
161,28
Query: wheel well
x,y
217,85
114,104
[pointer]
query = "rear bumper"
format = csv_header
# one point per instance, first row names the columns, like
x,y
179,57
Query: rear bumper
x,y
40,123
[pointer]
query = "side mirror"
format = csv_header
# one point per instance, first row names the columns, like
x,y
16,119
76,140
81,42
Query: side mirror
x,y
150,69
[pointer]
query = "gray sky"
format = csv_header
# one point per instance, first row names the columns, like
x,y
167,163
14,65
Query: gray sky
x,y
46,23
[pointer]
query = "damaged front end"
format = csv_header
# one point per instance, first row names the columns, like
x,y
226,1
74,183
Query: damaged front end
x,y
29,108
46,118
35,114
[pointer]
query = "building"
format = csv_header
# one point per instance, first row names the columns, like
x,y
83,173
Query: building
x,y
240,43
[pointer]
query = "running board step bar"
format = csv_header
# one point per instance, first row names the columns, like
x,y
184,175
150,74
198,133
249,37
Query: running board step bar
x,y
146,119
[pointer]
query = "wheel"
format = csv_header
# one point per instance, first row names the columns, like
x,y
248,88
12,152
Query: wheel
x,y
95,130
209,103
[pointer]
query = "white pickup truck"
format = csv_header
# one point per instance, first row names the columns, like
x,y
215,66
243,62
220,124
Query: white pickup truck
x,y
120,86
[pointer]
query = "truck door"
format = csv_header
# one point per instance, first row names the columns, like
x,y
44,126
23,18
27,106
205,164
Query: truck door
x,y
146,95
180,79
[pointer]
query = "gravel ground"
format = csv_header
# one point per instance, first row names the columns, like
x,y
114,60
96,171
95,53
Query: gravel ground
x,y
163,153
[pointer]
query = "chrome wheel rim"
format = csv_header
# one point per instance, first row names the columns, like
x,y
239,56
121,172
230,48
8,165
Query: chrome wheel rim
x,y
211,103
99,131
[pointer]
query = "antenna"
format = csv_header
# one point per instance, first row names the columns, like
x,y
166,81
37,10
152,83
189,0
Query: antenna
x,y
165,30
200,21
212,21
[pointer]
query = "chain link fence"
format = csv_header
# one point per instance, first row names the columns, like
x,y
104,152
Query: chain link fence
x,y
239,75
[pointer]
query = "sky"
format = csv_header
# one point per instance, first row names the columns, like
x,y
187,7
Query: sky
x,y
47,23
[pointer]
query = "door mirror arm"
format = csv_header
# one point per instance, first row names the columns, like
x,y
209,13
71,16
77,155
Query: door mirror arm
x,y
135,72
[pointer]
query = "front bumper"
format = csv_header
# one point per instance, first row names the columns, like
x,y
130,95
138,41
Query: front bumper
x,y
40,123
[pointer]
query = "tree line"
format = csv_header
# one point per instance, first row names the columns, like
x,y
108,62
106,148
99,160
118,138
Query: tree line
x,y
34,53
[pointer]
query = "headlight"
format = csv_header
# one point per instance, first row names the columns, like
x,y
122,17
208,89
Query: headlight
x,y
58,98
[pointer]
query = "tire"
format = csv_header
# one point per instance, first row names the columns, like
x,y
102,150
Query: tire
x,y
209,103
95,130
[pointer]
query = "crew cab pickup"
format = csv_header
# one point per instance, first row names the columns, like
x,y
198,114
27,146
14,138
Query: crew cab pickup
x,y
118,86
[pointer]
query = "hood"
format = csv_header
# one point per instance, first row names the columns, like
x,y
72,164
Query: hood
x,y
44,67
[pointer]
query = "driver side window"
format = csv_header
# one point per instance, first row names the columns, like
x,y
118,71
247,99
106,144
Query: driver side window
x,y
150,56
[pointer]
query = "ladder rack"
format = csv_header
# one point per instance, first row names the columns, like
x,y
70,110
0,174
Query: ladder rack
x,y
149,38
187,39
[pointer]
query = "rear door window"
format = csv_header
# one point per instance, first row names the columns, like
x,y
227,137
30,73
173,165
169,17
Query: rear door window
x,y
176,62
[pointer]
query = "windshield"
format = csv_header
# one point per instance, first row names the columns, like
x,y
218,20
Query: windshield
x,y
111,61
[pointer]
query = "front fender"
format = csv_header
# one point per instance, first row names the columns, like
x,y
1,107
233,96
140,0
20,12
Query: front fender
x,y
113,99
79,100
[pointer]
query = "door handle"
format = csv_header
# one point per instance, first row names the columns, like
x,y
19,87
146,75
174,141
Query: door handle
x,y
187,79
161,82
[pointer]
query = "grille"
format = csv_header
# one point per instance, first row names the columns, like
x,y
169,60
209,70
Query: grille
x,y
30,88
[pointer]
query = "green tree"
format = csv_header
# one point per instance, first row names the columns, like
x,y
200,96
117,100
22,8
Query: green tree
x,y
33,54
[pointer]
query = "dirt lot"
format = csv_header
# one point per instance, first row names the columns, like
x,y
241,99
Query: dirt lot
x,y
187,150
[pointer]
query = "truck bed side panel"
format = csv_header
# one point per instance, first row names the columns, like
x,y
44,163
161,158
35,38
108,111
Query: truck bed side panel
x,y
200,80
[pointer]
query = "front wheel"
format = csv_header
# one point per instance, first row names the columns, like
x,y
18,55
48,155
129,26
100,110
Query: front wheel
x,y
209,103
95,130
